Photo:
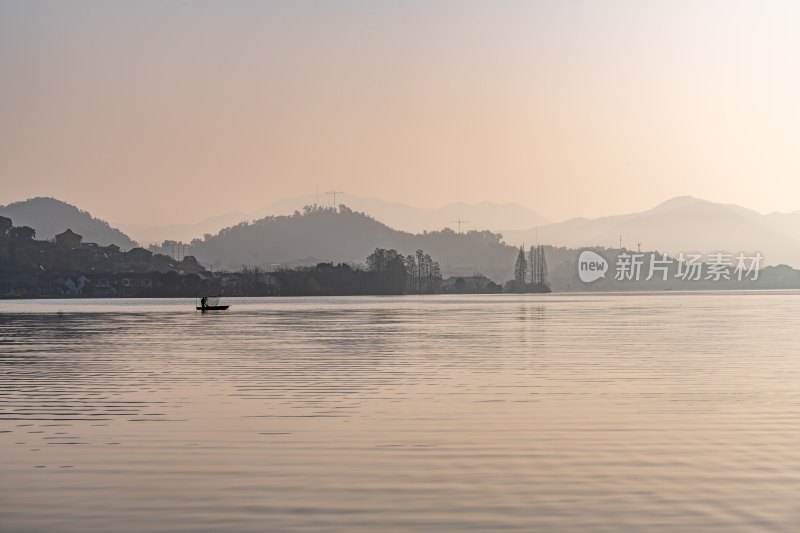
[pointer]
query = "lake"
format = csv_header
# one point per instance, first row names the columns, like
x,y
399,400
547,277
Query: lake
x,y
561,412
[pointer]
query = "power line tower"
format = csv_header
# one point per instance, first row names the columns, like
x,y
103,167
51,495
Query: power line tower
x,y
334,193
459,221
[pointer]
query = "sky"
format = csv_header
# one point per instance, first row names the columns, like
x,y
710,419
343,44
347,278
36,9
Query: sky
x,y
165,112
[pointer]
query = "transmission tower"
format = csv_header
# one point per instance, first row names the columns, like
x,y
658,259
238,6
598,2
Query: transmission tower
x,y
459,221
334,193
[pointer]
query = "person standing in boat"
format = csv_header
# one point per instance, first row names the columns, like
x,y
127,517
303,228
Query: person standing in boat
x,y
203,301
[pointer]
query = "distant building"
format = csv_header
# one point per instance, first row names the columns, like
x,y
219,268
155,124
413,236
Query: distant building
x,y
179,251
69,239
137,282
103,287
83,281
66,287
139,254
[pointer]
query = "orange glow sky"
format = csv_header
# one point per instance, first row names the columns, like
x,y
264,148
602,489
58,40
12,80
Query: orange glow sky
x,y
165,112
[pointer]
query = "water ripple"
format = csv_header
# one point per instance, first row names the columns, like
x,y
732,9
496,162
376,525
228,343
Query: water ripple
x,y
634,412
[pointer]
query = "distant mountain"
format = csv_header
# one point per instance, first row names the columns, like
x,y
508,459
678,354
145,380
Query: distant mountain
x,y
151,234
786,223
485,215
682,224
49,217
396,215
326,235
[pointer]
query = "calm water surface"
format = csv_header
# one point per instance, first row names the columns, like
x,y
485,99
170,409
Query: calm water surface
x,y
634,412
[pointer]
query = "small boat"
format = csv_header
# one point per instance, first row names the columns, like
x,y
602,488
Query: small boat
x,y
211,303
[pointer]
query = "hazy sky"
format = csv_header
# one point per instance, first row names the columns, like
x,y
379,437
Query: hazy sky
x,y
171,111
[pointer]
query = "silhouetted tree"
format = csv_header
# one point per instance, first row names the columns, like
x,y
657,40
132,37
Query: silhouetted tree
x,y
435,277
22,233
521,268
390,270
411,267
5,226
420,270
460,285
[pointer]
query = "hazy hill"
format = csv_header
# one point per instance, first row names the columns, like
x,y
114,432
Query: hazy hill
x,y
49,217
151,234
786,223
396,215
681,224
348,236
416,219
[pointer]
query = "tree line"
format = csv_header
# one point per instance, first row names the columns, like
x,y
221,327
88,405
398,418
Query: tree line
x,y
386,272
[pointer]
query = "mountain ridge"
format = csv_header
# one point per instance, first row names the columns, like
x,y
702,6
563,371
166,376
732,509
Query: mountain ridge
x,y
50,216
347,236
397,215
680,224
